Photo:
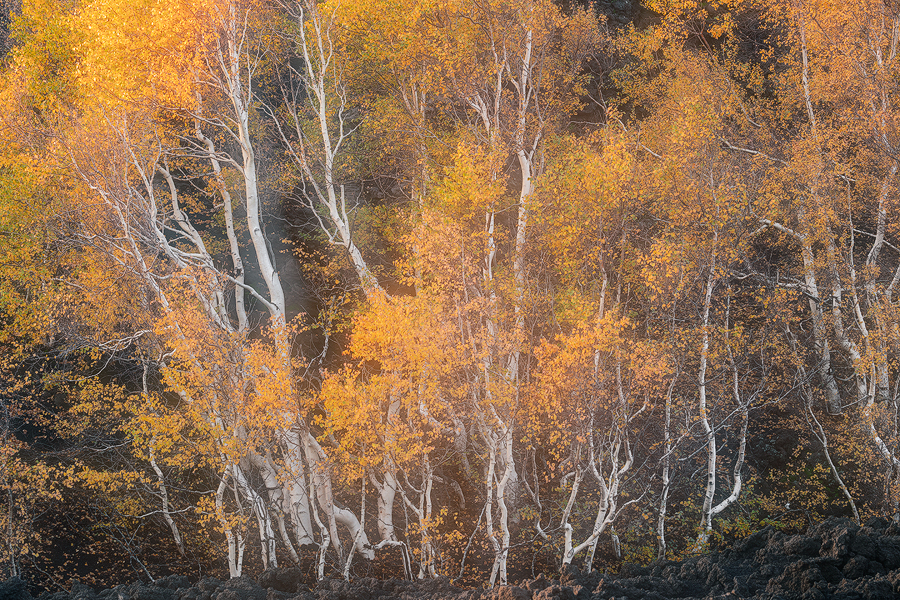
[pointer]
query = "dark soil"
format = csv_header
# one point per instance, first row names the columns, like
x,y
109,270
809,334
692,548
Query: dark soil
x,y
835,559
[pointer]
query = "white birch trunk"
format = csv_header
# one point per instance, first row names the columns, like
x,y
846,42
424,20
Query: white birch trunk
x,y
820,339
610,490
359,532
666,480
387,492
233,244
387,487
525,156
882,370
568,549
325,97
832,395
505,480
235,539
263,517
326,537
489,502
275,492
706,516
840,332
821,345
744,410
427,564
296,489
321,484
608,509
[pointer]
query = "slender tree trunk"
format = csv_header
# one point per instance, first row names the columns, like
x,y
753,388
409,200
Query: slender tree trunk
x,y
820,434
832,395
275,491
263,517
489,502
816,427
821,345
568,552
744,410
231,67
235,540
837,314
667,462
326,537
882,371
505,479
706,517
233,243
427,564
609,491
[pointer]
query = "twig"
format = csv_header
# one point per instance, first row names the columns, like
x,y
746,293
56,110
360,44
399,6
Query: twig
x,y
462,564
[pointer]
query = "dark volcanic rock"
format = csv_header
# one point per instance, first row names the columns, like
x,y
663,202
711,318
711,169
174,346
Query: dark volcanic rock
x,y
512,592
282,580
538,584
836,559
14,589
803,545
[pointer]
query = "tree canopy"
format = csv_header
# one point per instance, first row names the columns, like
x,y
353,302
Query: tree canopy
x,y
448,286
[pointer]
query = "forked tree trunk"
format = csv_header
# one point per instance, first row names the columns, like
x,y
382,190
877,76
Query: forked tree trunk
x,y
608,508
276,498
744,411
261,512
322,488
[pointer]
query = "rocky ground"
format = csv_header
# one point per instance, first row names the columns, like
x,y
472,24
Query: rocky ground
x,y
835,559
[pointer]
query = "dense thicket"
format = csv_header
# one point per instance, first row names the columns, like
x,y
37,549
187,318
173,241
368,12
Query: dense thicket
x,y
467,287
